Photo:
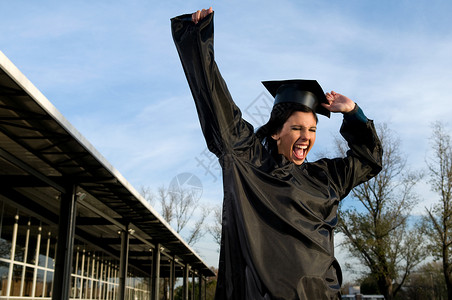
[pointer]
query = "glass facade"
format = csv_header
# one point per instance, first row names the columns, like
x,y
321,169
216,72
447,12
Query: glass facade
x,y
27,256
27,252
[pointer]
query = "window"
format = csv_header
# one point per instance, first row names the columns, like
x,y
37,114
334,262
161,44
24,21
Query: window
x,y
27,263
27,252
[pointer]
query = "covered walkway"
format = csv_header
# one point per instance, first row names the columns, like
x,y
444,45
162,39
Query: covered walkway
x,y
70,225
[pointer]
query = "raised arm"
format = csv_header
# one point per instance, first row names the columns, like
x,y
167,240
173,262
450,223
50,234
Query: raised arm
x,y
364,157
221,121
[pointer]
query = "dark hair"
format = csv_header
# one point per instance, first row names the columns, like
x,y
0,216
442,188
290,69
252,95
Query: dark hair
x,y
279,115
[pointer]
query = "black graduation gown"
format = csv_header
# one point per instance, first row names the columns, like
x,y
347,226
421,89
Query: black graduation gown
x,y
278,218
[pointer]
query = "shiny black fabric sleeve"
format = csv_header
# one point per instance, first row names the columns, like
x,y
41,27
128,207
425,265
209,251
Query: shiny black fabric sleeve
x,y
223,127
364,157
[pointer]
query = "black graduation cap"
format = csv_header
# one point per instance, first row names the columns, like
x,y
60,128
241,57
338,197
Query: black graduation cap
x,y
306,92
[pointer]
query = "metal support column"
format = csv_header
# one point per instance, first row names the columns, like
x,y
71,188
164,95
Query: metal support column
x,y
151,274
205,288
185,285
65,245
172,279
155,272
200,287
193,285
123,264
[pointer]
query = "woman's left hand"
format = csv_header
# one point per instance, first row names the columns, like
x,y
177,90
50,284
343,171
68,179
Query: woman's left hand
x,y
201,14
338,103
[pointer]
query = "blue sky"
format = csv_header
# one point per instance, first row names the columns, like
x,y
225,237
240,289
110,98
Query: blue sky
x,y
112,70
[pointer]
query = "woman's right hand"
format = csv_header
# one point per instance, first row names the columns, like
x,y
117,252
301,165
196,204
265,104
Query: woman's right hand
x,y
201,14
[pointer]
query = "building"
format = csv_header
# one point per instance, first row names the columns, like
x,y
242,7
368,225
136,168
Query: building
x,y
70,225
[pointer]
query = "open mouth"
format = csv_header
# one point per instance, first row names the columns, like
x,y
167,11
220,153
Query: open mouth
x,y
299,151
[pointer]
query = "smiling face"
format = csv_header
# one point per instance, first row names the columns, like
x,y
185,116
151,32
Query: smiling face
x,y
297,136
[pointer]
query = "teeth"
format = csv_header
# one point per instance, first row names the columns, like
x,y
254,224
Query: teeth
x,y
301,147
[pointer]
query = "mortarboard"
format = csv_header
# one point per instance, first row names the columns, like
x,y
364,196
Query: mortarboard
x,y
306,92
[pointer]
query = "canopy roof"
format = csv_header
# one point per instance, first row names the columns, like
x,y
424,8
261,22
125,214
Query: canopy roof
x,y
42,154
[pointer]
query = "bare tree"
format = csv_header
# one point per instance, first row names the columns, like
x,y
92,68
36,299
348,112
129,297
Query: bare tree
x,y
181,209
378,233
439,217
215,228
147,194
426,283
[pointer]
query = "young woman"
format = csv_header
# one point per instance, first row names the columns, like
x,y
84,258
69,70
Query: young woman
x,y
279,211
